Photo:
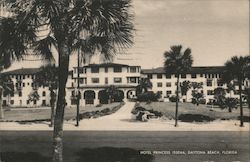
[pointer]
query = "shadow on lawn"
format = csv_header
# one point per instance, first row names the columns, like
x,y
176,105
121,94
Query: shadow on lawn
x,y
194,118
111,154
23,157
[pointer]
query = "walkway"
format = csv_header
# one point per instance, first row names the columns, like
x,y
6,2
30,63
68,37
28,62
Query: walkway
x,y
121,121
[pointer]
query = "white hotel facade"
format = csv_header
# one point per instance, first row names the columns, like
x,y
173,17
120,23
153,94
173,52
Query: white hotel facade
x,y
94,80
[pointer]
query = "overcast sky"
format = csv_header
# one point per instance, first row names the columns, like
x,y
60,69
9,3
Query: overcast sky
x,y
215,30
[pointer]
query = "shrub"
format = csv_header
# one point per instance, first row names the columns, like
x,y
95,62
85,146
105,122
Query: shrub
x,y
202,101
172,98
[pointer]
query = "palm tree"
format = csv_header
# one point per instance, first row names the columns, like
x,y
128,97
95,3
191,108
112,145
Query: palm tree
x,y
48,77
104,26
6,87
237,68
144,85
177,62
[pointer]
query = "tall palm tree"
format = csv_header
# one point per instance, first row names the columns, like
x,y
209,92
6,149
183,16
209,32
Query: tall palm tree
x,y
48,77
237,68
104,25
177,62
6,87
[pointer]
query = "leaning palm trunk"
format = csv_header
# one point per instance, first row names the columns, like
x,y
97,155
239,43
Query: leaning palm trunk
x,y
58,123
176,103
1,103
241,108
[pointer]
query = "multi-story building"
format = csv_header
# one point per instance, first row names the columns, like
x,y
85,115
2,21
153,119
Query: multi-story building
x,y
96,79
209,77
24,86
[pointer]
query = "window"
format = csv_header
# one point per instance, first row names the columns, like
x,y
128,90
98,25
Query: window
x,y
117,69
80,80
44,102
159,76
28,76
117,80
201,75
210,92
23,84
168,93
72,84
106,69
236,92
168,84
20,94
168,76
95,70
150,76
132,80
80,70
106,81
133,69
193,75
183,75
34,102
28,102
209,83
159,84
23,76
44,93
95,80
12,102
219,83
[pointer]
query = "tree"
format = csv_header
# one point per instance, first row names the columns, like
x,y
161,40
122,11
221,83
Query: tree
x,y
246,92
185,86
220,96
34,97
48,77
7,88
196,93
230,88
97,25
177,62
112,91
237,68
143,86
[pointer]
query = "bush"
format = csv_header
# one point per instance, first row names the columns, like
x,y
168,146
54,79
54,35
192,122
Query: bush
x,y
202,101
173,98
148,96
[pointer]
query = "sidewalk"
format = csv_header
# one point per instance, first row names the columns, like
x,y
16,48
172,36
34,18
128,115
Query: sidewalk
x,y
121,121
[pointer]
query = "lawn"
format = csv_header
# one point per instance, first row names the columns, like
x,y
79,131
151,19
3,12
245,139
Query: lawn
x,y
31,114
189,111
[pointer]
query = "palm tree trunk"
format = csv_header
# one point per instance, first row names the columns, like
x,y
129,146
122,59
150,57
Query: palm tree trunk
x,y
1,103
58,125
241,108
52,104
176,103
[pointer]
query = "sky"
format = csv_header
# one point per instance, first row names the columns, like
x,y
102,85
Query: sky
x,y
215,30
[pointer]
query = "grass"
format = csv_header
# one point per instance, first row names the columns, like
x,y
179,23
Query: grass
x,y
189,112
43,114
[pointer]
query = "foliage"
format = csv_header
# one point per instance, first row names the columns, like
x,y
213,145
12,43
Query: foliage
x,y
185,86
197,95
7,85
237,68
148,96
220,96
34,96
173,98
144,85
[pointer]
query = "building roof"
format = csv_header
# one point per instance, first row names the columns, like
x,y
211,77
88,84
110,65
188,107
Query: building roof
x,y
107,65
194,70
23,71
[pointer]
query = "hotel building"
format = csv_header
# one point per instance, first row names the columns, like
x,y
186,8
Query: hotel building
x,y
96,79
